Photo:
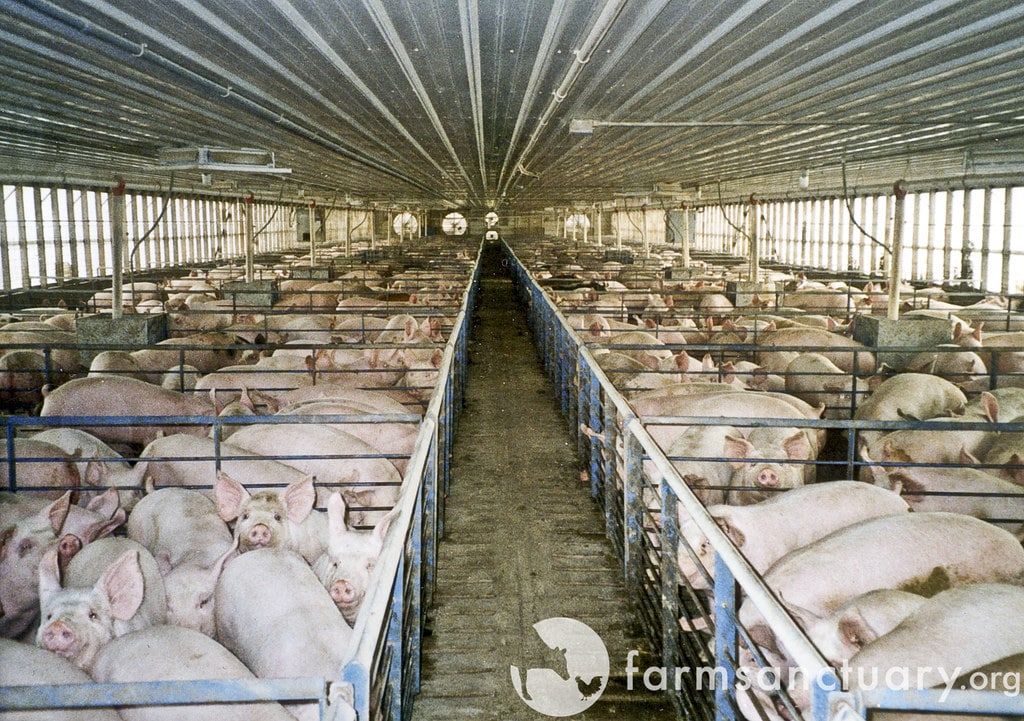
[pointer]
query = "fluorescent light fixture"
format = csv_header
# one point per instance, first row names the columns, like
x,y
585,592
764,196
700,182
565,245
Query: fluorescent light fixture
x,y
207,159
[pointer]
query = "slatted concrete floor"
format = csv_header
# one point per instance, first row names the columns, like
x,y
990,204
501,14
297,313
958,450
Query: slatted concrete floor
x,y
524,540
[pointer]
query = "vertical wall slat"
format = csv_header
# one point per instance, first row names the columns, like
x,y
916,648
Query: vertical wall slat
x,y
986,237
5,249
41,255
1004,284
102,237
19,196
58,236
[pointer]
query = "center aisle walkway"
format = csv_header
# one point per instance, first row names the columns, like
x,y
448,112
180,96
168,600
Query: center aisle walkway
x,y
524,541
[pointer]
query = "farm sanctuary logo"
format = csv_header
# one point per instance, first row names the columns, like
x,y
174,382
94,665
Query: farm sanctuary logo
x,y
574,671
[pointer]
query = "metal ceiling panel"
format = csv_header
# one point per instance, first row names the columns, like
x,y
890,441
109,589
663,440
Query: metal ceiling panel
x,y
468,102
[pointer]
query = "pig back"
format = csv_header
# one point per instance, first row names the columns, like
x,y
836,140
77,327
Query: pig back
x,y
23,665
277,618
173,653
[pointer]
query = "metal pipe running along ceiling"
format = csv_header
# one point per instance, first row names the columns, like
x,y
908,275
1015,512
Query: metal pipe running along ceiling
x,y
468,103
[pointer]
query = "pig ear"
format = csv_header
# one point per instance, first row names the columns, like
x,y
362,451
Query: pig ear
x,y
102,529
336,510
299,498
123,585
737,448
410,329
855,630
218,407
67,547
163,563
802,616
990,404
96,473
967,458
735,535
49,574
57,512
436,357
106,503
797,446
229,495
381,529
1016,474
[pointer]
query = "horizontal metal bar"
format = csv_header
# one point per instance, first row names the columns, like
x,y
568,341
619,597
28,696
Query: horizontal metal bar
x,y
89,695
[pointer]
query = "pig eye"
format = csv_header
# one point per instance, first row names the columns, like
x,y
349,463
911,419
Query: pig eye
x,y
93,616
245,516
371,564
24,547
203,602
277,517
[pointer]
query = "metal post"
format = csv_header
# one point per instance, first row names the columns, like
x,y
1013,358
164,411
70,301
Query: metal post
x,y
894,254
312,234
686,236
754,224
348,230
600,226
373,235
250,240
1004,284
117,231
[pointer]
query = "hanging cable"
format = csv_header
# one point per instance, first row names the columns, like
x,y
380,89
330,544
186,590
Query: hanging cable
x,y
271,218
849,210
140,241
721,206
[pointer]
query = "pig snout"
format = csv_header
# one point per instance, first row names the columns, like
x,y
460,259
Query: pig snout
x,y
59,638
259,535
768,478
343,592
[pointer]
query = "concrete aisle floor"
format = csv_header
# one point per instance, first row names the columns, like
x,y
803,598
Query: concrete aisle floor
x,y
524,540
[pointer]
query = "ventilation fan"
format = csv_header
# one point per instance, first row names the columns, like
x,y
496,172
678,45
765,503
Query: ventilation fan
x,y
454,224
406,225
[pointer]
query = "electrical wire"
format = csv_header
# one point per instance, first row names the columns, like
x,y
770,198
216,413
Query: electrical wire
x,y
849,210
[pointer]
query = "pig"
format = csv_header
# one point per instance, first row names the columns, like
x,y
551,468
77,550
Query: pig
x,y
59,345
25,665
184,460
274,614
180,378
696,447
358,329
816,379
29,528
395,439
100,600
184,654
346,565
649,349
272,519
971,491
206,352
366,481
40,465
964,368
958,629
115,362
99,465
190,544
118,396
272,381
858,622
734,404
23,374
765,532
917,396
913,552
846,353
762,461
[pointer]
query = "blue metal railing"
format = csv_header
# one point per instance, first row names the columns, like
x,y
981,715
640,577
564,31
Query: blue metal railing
x,y
641,521
382,671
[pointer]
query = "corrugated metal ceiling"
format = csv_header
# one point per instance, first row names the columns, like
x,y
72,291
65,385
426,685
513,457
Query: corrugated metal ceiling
x,y
468,102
